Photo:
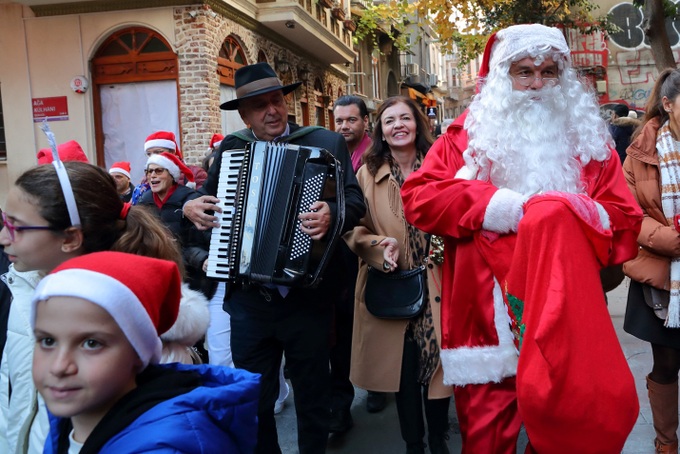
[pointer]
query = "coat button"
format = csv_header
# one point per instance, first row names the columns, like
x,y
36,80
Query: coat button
x,y
10,280
437,299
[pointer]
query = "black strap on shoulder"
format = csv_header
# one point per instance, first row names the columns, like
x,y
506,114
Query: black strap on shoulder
x,y
247,134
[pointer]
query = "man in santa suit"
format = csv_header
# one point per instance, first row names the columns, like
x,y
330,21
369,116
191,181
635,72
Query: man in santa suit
x,y
531,204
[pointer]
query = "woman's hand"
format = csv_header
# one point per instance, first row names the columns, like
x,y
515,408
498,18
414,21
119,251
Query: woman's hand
x,y
390,253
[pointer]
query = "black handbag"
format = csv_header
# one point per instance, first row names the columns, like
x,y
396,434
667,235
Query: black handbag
x,y
396,295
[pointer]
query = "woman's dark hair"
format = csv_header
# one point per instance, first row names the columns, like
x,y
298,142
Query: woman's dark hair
x,y
99,207
666,85
379,152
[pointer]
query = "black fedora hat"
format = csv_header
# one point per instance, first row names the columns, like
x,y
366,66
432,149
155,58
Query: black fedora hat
x,y
256,79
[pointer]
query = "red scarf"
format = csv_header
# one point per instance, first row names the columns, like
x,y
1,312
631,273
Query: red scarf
x,y
157,200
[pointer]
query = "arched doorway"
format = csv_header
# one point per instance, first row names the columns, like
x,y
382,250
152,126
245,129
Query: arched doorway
x,y
230,58
135,93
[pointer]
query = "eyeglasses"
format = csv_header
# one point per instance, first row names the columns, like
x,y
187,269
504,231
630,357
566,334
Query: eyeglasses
x,y
528,80
156,171
11,228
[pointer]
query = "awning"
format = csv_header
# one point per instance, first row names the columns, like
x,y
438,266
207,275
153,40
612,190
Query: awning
x,y
430,100
415,94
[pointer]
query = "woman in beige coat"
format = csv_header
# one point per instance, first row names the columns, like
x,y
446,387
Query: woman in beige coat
x,y
399,356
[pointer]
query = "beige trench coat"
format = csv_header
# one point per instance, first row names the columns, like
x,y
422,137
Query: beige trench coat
x,y
377,344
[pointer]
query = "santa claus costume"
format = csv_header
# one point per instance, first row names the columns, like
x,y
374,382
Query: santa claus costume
x,y
526,335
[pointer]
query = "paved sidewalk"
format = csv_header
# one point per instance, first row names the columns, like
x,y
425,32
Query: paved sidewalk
x,y
379,433
639,356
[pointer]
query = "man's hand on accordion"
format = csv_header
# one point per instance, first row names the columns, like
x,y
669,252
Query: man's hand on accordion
x,y
196,211
317,220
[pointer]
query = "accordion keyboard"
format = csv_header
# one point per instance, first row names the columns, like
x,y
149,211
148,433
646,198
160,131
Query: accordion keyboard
x,y
219,261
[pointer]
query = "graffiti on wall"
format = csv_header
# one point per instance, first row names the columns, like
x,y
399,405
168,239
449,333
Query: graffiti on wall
x,y
632,75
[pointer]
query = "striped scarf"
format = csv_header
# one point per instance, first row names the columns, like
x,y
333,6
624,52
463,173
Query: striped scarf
x,y
669,166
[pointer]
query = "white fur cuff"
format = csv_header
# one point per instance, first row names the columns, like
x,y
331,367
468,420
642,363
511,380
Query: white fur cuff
x,y
604,216
504,211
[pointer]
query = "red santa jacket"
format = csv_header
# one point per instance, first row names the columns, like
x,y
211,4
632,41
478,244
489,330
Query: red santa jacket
x,y
477,344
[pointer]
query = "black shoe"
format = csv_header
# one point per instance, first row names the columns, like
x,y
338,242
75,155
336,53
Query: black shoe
x,y
341,421
439,443
376,402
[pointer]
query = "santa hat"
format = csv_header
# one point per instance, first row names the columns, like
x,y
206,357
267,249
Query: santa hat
x,y
520,41
163,139
143,308
69,151
122,167
174,166
215,141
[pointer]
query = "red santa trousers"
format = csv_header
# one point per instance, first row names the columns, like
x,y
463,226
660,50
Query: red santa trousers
x,y
488,418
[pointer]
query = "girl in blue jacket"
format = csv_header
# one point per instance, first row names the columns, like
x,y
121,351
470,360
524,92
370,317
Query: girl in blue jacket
x,y
95,363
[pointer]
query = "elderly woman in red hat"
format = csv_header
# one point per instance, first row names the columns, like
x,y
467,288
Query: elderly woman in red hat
x,y
166,198
165,142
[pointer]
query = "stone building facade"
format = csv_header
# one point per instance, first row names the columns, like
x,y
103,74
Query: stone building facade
x,y
156,64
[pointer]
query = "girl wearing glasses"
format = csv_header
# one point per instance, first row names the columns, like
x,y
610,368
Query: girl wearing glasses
x,y
54,213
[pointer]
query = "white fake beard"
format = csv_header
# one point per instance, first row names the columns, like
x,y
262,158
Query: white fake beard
x,y
526,141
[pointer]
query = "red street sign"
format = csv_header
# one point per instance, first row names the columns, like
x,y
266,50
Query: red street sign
x,y
51,109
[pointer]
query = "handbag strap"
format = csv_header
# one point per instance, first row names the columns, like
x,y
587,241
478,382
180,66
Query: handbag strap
x,y
427,255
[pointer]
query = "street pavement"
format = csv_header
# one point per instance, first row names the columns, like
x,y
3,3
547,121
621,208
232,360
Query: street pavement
x,y
378,433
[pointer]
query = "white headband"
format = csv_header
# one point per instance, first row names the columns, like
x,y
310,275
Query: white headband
x,y
65,183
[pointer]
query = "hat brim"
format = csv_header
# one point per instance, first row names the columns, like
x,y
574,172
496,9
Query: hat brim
x,y
233,104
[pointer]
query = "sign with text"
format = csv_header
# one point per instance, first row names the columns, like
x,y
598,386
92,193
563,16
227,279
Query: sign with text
x,y
50,109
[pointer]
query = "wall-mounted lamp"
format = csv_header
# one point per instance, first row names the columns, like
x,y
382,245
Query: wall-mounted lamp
x,y
303,74
193,14
290,24
281,65
213,14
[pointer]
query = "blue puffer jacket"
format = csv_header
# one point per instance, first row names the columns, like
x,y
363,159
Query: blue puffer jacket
x,y
218,416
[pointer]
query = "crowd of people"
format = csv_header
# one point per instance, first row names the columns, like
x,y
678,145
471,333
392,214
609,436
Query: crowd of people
x,y
111,329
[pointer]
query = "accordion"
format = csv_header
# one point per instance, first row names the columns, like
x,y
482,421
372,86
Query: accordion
x,y
262,190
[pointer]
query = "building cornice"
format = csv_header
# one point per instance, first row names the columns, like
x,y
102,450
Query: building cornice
x,y
219,6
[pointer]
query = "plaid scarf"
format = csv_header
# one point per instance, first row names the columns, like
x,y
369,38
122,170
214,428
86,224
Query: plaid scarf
x,y
669,166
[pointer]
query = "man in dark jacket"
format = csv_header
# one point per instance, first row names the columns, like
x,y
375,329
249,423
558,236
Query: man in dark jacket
x,y
269,322
622,128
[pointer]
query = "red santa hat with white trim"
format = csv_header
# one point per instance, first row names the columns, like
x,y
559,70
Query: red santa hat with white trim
x,y
122,167
163,139
174,166
143,308
215,141
68,151
520,41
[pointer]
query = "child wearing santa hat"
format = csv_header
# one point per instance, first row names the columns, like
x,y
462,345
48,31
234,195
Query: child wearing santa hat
x,y
97,329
